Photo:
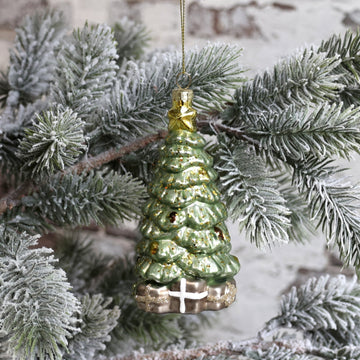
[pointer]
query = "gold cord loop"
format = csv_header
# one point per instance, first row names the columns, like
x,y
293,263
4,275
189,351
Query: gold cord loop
x,y
182,21
188,77
183,69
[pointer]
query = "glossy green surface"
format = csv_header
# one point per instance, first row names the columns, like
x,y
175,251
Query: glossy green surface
x,y
183,229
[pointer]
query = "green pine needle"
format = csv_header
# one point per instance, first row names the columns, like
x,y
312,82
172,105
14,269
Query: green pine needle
x,y
251,195
323,131
97,319
131,39
54,142
327,310
37,310
333,203
105,198
276,352
33,58
298,80
85,69
347,48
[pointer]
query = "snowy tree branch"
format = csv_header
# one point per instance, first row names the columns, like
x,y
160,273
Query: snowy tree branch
x,y
13,198
114,153
248,348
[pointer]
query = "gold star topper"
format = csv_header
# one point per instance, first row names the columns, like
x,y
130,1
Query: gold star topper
x,y
182,116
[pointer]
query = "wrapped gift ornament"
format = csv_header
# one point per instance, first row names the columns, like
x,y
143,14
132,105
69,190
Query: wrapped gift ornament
x,y
185,249
185,296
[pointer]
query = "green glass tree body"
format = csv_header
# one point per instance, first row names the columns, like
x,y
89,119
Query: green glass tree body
x,y
184,234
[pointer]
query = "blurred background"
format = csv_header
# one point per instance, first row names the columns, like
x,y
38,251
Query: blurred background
x,y
266,30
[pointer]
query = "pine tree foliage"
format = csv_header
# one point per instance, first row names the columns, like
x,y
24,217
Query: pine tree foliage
x,y
135,329
300,127
347,47
131,39
298,80
37,311
323,131
81,199
9,141
251,198
327,310
54,142
141,163
276,353
67,99
301,227
96,322
4,88
215,71
343,353
122,116
85,69
79,260
139,101
333,203
32,60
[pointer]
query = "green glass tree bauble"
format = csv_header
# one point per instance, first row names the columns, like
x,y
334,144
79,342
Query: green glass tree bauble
x,y
186,244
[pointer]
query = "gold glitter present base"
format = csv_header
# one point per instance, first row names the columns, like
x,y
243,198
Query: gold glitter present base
x,y
185,296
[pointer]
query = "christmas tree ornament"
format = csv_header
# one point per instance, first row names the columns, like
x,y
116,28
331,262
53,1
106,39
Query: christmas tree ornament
x,y
184,260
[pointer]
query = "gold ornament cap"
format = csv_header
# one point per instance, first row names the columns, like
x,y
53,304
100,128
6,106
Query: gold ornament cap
x,y
182,116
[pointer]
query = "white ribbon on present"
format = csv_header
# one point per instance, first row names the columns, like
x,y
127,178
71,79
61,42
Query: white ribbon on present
x,y
182,295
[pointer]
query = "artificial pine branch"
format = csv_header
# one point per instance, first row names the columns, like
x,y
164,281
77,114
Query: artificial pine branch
x,y
250,349
333,203
37,310
131,39
96,321
83,167
32,61
54,142
301,226
277,120
323,131
347,47
298,80
85,69
251,195
105,198
140,100
326,310
115,153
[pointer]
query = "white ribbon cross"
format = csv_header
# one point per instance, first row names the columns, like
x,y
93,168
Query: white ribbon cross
x,y
182,295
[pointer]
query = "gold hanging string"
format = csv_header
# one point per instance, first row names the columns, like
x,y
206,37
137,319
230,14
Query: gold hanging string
x,y
182,27
182,24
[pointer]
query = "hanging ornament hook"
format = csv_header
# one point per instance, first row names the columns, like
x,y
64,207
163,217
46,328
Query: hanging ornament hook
x,y
185,74
183,69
